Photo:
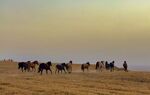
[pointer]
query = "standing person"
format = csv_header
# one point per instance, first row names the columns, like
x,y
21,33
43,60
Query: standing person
x,y
125,66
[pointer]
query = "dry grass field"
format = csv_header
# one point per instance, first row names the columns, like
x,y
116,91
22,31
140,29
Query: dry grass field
x,y
14,82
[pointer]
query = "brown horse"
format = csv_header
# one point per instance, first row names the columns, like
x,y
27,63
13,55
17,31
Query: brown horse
x,y
69,67
100,66
28,65
32,65
85,66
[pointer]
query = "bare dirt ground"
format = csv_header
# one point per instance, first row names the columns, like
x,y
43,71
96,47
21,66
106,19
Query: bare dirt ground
x,y
15,82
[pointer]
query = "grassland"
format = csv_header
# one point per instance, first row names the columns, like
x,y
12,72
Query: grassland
x,y
14,82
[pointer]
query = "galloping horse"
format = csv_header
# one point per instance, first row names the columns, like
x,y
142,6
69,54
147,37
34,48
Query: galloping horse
x,y
33,65
23,66
85,66
107,65
100,66
60,67
46,67
69,67
112,66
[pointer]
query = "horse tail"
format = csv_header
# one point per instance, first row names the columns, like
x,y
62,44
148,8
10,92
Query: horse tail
x,y
82,67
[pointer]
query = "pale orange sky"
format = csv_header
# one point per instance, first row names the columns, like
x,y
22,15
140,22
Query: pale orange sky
x,y
81,30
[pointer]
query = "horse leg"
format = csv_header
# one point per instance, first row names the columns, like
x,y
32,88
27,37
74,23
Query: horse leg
x,y
21,69
46,71
126,69
64,70
110,69
28,69
34,69
55,71
88,69
101,69
98,69
41,71
50,71
25,69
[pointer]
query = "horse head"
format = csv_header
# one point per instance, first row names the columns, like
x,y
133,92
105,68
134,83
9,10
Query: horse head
x,y
88,63
36,62
49,63
70,62
28,62
113,62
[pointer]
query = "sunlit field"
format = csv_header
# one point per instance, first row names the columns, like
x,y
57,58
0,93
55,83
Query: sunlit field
x,y
15,82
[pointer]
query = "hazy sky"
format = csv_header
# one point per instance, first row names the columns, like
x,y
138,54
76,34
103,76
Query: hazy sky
x,y
81,30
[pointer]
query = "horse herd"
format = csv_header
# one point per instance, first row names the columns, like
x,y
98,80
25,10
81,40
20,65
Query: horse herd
x,y
66,67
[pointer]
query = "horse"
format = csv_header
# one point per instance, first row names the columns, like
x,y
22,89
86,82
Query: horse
x,y
33,65
60,67
125,66
45,66
85,66
107,65
69,67
23,66
112,66
100,66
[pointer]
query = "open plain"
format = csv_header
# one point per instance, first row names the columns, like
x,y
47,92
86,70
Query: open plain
x,y
15,82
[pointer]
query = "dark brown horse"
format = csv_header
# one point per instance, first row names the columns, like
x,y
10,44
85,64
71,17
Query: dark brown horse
x,y
85,66
45,66
107,66
112,66
60,67
23,66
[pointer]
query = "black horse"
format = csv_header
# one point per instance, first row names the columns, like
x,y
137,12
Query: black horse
x,y
23,66
107,65
112,66
46,67
85,66
60,67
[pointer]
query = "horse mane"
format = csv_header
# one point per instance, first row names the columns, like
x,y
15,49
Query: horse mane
x,y
64,64
35,62
49,63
